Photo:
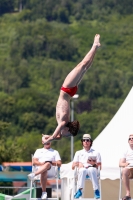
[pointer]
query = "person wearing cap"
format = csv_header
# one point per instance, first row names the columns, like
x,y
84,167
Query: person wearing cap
x,y
87,161
126,162
43,159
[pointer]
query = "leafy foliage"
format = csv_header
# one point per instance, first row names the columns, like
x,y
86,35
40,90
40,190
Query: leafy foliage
x,y
38,48
9,151
6,6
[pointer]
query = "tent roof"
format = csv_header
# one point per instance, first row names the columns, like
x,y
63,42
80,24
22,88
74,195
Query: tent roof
x,y
112,141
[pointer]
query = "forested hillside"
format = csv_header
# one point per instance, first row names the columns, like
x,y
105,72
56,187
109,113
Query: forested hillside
x,y
40,42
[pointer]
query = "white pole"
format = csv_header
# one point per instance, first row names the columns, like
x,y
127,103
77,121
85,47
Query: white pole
x,y
76,96
72,119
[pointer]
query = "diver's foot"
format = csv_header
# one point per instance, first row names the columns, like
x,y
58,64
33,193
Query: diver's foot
x,y
97,41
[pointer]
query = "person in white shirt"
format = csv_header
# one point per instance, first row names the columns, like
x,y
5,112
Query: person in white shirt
x,y
126,162
87,161
43,159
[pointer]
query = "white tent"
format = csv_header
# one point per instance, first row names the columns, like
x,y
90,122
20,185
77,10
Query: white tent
x,y
110,143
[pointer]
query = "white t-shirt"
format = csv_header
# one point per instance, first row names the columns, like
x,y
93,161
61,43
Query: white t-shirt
x,y
128,155
83,155
47,155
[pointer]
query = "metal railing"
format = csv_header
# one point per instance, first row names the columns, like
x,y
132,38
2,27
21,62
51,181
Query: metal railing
x,y
11,190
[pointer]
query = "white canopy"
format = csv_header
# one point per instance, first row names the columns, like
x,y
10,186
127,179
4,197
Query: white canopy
x,y
112,141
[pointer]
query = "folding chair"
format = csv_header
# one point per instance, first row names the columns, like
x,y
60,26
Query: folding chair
x,y
52,174
120,190
87,179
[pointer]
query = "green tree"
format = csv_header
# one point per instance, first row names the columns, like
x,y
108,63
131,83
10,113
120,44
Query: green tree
x,y
6,6
10,150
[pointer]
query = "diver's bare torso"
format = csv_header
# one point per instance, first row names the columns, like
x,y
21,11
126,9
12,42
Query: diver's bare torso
x,y
63,107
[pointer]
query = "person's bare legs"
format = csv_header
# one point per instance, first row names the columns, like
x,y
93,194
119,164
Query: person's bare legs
x,y
75,76
43,168
43,181
125,173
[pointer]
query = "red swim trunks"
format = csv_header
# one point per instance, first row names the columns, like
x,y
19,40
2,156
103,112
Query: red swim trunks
x,y
71,91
